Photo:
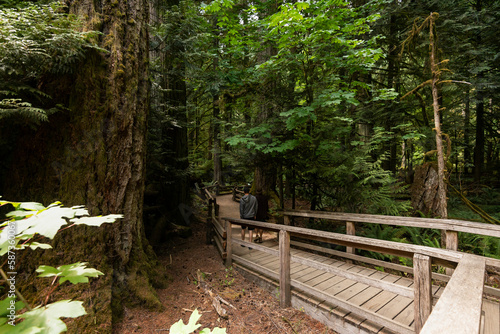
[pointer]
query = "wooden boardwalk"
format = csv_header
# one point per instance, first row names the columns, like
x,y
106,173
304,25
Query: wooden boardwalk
x,y
342,290
383,303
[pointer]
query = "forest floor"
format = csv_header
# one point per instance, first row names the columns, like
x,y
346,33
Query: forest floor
x,y
251,310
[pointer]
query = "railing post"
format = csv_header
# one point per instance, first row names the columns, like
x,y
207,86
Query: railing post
x,y
286,220
350,229
423,290
229,246
451,244
209,222
285,284
216,208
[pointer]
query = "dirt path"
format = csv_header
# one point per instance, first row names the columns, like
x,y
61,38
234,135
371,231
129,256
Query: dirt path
x,y
253,309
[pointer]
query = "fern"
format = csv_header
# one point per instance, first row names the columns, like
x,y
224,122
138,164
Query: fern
x,y
15,107
36,40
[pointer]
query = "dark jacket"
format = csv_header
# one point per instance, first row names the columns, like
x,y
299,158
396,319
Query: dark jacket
x,y
248,207
263,207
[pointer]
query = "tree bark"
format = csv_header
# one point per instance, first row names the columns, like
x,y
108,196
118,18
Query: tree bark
x,y
94,155
479,148
467,151
217,158
443,211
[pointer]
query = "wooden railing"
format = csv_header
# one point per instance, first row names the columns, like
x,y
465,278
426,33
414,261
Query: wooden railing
x,y
422,257
237,193
216,232
450,226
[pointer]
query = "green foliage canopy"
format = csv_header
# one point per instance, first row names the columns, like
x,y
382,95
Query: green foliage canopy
x,y
37,41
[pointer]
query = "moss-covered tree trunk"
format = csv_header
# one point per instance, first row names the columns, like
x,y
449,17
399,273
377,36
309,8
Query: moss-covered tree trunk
x,y
94,154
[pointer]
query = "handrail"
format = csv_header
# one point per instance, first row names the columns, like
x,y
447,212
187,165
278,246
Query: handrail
x,y
423,257
458,310
441,224
451,227
444,257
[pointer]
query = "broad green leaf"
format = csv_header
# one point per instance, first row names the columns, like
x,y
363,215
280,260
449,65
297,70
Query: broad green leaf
x,y
33,206
34,245
75,273
95,221
180,328
48,318
6,305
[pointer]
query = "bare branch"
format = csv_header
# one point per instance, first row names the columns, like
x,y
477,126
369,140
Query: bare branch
x,y
414,90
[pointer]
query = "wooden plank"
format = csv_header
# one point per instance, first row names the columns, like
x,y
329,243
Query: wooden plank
x,y
271,262
423,291
352,291
492,317
370,296
356,277
286,220
339,286
285,281
406,317
349,307
458,310
219,228
383,264
350,229
220,248
256,268
229,246
383,301
442,224
441,256
451,243
395,307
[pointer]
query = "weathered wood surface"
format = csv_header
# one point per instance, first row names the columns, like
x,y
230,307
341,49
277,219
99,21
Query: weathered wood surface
x,y
423,290
387,265
440,256
447,258
366,307
458,310
442,224
284,268
368,300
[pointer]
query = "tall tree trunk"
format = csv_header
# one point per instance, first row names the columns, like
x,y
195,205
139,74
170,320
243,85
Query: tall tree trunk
x,y
467,151
217,158
442,208
94,155
479,148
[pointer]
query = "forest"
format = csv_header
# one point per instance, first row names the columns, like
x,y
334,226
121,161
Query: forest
x,y
381,107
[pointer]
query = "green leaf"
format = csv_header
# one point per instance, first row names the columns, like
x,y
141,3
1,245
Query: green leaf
x,y
6,305
75,273
48,318
180,328
44,221
34,245
95,221
33,206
